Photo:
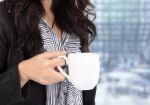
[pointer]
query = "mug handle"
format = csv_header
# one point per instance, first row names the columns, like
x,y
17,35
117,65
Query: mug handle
x,y
61,70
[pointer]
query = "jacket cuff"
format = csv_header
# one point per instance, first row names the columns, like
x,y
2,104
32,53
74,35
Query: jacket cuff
x,y
22,93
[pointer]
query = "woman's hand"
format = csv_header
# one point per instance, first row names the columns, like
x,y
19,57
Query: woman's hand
x,y
40,68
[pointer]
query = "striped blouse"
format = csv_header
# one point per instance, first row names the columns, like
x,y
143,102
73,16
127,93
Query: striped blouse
x,y
62,93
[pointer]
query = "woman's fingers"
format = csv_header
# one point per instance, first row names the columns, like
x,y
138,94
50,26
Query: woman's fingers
x,y
40,68
55,54
57,76
56,62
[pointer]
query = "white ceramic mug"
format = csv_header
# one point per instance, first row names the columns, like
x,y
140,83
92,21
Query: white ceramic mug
x,y
83,70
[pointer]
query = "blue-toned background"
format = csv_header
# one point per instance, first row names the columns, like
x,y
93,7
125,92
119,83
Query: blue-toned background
x,y
123,38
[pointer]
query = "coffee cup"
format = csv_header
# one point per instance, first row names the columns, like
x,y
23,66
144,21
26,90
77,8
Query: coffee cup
x,y
83,70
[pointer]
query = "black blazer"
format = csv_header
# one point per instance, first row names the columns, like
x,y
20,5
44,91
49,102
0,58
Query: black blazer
x,y
10,91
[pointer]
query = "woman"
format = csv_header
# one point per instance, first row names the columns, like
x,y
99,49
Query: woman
x,y
33,34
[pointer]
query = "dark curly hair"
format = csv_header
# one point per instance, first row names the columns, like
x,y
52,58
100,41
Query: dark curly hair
x,y
70,15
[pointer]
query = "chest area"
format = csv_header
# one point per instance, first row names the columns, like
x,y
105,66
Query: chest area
x,y
51,41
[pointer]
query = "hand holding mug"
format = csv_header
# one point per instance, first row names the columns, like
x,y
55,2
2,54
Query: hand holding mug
x,y
40,68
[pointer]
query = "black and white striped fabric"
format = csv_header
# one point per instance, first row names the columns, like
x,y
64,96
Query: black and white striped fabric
x,y
62,93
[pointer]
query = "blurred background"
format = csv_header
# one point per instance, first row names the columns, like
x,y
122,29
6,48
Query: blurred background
x,y
123,39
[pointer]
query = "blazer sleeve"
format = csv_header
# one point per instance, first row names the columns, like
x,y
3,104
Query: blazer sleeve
x,y
10,89
89,97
